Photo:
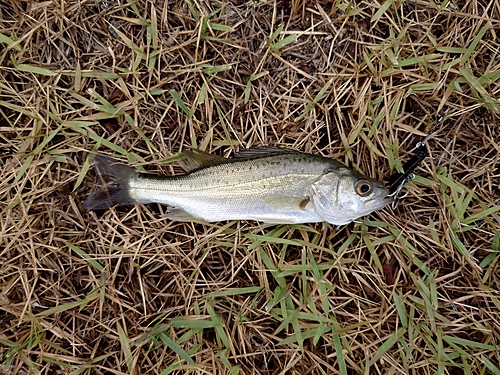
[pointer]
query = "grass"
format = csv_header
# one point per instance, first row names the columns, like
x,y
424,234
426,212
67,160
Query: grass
x,y
414,290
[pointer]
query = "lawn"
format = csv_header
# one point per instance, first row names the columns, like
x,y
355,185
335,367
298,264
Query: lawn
x,y
413,289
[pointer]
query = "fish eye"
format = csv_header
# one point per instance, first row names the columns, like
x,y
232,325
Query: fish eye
x,y
363,187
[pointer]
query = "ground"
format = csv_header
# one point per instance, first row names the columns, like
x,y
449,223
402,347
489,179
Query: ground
x,y
408,290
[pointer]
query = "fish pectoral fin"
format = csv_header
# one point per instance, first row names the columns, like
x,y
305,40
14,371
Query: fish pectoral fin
x,y
287,203
178,214
195,159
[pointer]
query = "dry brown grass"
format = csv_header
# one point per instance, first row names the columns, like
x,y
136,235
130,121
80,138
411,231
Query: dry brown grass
x,y
414,290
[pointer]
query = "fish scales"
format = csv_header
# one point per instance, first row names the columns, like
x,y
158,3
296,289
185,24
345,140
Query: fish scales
x,y
242,186
245,173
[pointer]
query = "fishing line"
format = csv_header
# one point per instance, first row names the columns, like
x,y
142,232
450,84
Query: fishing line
x,y
399,179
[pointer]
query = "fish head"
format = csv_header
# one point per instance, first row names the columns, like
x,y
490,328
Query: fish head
x,y
343,195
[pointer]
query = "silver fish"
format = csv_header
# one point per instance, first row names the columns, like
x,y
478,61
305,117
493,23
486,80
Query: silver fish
x,y
268,184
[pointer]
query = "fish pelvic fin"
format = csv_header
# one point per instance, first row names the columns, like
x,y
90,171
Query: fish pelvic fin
x,y
114,190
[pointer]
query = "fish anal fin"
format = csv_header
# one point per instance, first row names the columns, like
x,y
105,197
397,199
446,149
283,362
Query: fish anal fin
x,y
178,214
195,159
287,203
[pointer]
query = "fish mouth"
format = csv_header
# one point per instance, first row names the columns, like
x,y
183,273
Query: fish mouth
x,y
387,200
377,206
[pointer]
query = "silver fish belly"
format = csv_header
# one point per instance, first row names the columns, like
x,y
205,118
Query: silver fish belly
x,y
276,186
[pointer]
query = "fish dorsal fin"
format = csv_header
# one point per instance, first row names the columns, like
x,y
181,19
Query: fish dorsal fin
x,y
195,159
261,151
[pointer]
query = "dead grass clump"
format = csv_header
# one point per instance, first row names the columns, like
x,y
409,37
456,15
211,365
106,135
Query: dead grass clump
x,y
414,290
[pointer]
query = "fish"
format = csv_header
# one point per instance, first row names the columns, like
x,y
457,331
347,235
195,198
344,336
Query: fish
x,y
268,184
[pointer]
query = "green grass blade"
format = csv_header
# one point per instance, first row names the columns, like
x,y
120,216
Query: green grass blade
x,y
451,49
380,12
175,95
398,301
193,323
459,245
91,74
176,348
282,43
81,303
219,327
10,42
481,215
340,354
35,70
469,343
220,27
124,341
20,174
494,370
475,42
86,256
235,291
316,99
275,34
388,344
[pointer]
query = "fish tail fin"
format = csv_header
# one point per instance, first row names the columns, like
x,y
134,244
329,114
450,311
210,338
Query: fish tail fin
x,y
114,178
